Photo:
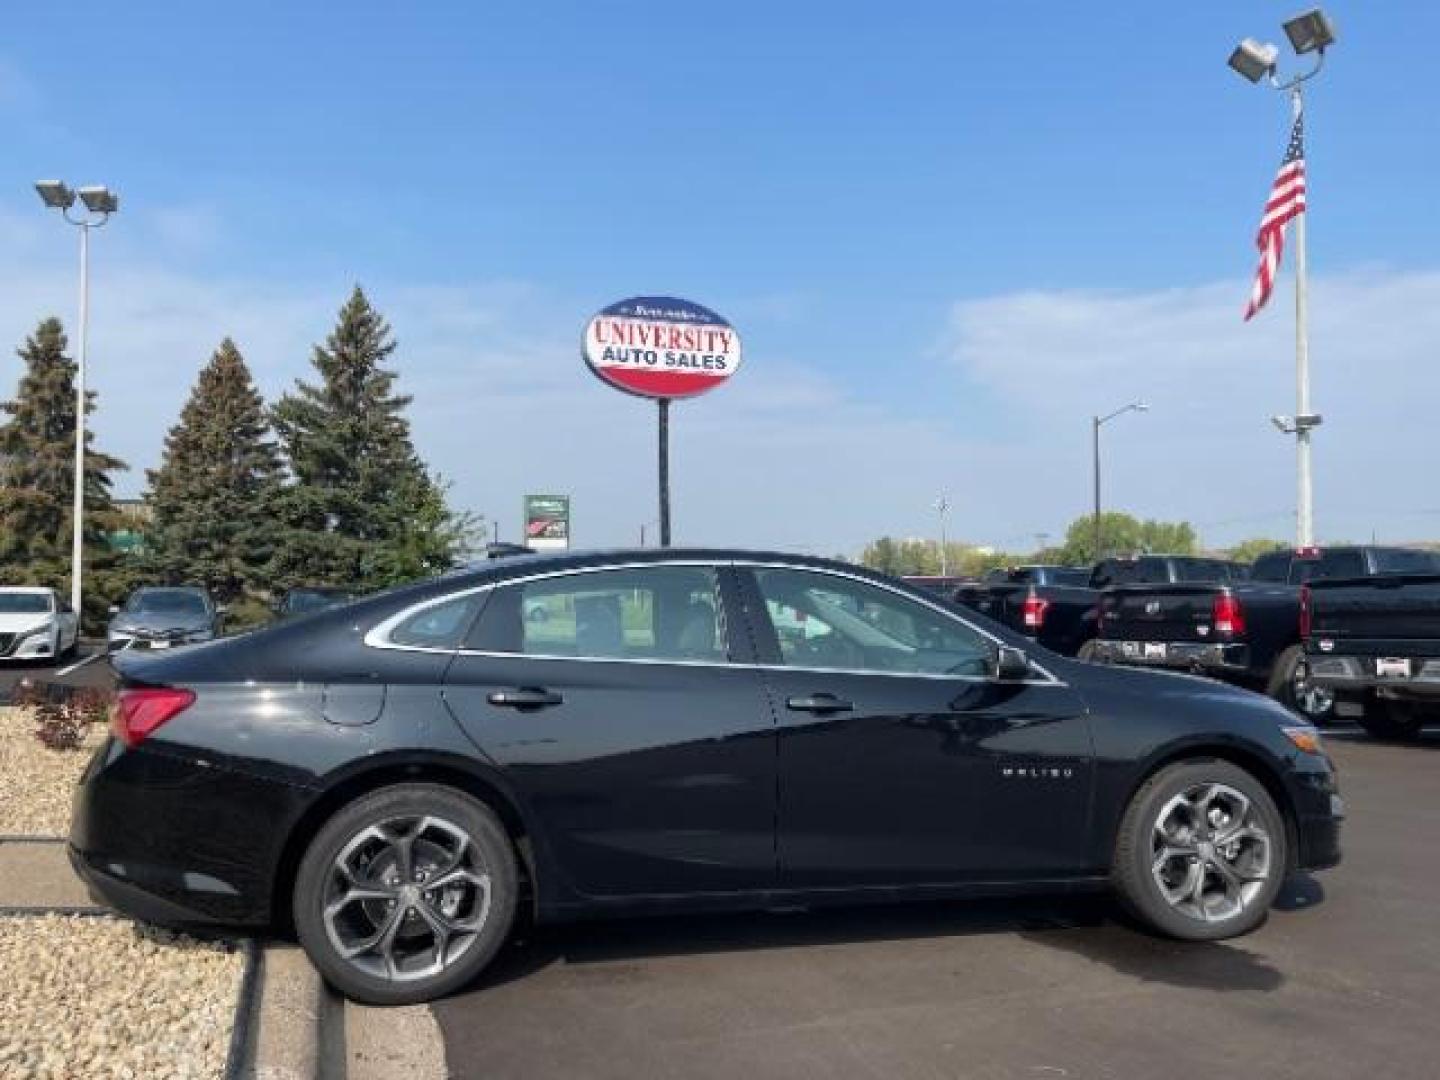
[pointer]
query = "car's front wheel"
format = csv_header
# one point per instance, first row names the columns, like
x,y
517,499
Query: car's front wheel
x,y
1202,851
406,894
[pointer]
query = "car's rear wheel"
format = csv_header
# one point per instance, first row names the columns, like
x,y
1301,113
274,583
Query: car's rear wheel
x,y
406,894
1202,851
1291,685
1392,720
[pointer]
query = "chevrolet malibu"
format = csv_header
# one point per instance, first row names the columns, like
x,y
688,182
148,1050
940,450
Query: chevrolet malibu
x,y
684,730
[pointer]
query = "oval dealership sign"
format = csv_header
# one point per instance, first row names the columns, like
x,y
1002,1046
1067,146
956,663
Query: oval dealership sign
x,y
661,347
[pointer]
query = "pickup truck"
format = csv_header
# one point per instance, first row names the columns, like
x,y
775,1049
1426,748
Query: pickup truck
x,y
1056,605
1246,630
1375,643
36,624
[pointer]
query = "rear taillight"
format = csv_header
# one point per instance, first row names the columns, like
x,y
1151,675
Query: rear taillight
x,y
1306,618
1032,612
1227,615
138,713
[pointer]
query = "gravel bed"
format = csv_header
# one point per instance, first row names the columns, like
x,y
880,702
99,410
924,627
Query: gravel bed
x,y
101,997
36,783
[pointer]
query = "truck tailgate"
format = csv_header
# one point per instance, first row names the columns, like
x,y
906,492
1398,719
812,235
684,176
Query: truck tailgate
x,y
1374,610
1175,612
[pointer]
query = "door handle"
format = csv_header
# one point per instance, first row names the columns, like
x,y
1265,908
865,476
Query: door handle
x,y
819,703
526,697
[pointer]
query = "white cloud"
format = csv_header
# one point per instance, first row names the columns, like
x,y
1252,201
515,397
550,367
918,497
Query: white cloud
x,y
1207,451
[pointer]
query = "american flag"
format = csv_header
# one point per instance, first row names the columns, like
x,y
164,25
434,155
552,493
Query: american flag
x,y
1287,200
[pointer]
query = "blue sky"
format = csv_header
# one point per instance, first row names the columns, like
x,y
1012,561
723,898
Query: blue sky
x,y
948,234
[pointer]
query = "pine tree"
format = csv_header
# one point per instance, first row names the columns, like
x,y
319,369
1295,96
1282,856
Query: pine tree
x,y
37,469
214,498
363,508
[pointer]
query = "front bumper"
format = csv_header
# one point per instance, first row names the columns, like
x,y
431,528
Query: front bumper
x,y
1319,813
1211,657
32,646
170,839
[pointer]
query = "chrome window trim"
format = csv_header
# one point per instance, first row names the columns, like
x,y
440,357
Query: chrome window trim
x,y
375,638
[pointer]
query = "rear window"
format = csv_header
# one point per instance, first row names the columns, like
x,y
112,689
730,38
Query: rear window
x,y
1068,575
1202,570
1404,561
1274,567
1344,563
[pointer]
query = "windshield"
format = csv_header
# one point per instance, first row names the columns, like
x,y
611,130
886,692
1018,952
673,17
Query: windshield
x,y
166,602
19,603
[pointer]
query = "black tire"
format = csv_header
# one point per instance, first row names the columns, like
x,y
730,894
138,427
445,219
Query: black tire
x,y
1086,652
1134,873
319,877
1391,720
1288,684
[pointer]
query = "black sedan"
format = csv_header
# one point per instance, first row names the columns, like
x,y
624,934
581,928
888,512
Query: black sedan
x,y
682,730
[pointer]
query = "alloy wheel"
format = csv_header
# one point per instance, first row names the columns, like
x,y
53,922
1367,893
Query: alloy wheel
x,y
1211,855
406,897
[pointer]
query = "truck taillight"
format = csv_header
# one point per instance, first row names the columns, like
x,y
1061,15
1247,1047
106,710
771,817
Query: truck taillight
x,y
1306,618
1032,611
1227,615
138,713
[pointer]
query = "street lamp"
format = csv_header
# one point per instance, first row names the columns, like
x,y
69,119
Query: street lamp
x,y
100,202
942,506
1309,32
1096,422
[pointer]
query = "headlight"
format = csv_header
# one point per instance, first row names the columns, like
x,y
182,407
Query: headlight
x,y
197,635
42,630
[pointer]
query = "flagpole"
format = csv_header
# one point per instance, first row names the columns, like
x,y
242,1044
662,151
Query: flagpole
x,y
1304,504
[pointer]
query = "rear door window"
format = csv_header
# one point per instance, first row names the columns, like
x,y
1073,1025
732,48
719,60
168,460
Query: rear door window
x,y
632,613
1404,561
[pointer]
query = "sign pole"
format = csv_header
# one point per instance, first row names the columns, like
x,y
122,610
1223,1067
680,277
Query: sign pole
x,y
664,406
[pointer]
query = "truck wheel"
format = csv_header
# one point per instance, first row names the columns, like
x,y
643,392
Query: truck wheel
x,y
1201,852
1291,685
1086,652
1391,720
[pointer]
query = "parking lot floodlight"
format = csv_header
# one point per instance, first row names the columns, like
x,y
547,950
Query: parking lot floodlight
x,y
99,200
55,194
1254,59
1310,32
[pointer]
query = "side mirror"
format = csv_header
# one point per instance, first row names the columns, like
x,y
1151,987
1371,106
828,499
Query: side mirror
x,y
114,609
1009,664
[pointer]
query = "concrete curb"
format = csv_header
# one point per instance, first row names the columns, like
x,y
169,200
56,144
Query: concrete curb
x,y
288,1014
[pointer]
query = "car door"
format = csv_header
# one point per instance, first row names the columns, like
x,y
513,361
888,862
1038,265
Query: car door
x,y
646,753
901,760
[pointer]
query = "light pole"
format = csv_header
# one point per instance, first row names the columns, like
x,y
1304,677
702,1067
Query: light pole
x,y
942,506
1096,422
1310,32
100,203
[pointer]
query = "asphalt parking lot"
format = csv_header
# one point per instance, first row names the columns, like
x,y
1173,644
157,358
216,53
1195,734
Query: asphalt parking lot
x,y
1341,982
86,668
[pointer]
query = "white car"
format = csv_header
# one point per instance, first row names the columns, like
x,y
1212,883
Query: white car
x,y
35,623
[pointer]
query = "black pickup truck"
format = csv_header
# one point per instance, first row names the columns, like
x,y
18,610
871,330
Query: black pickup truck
x,y
1056,605
1246,630
1375,643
